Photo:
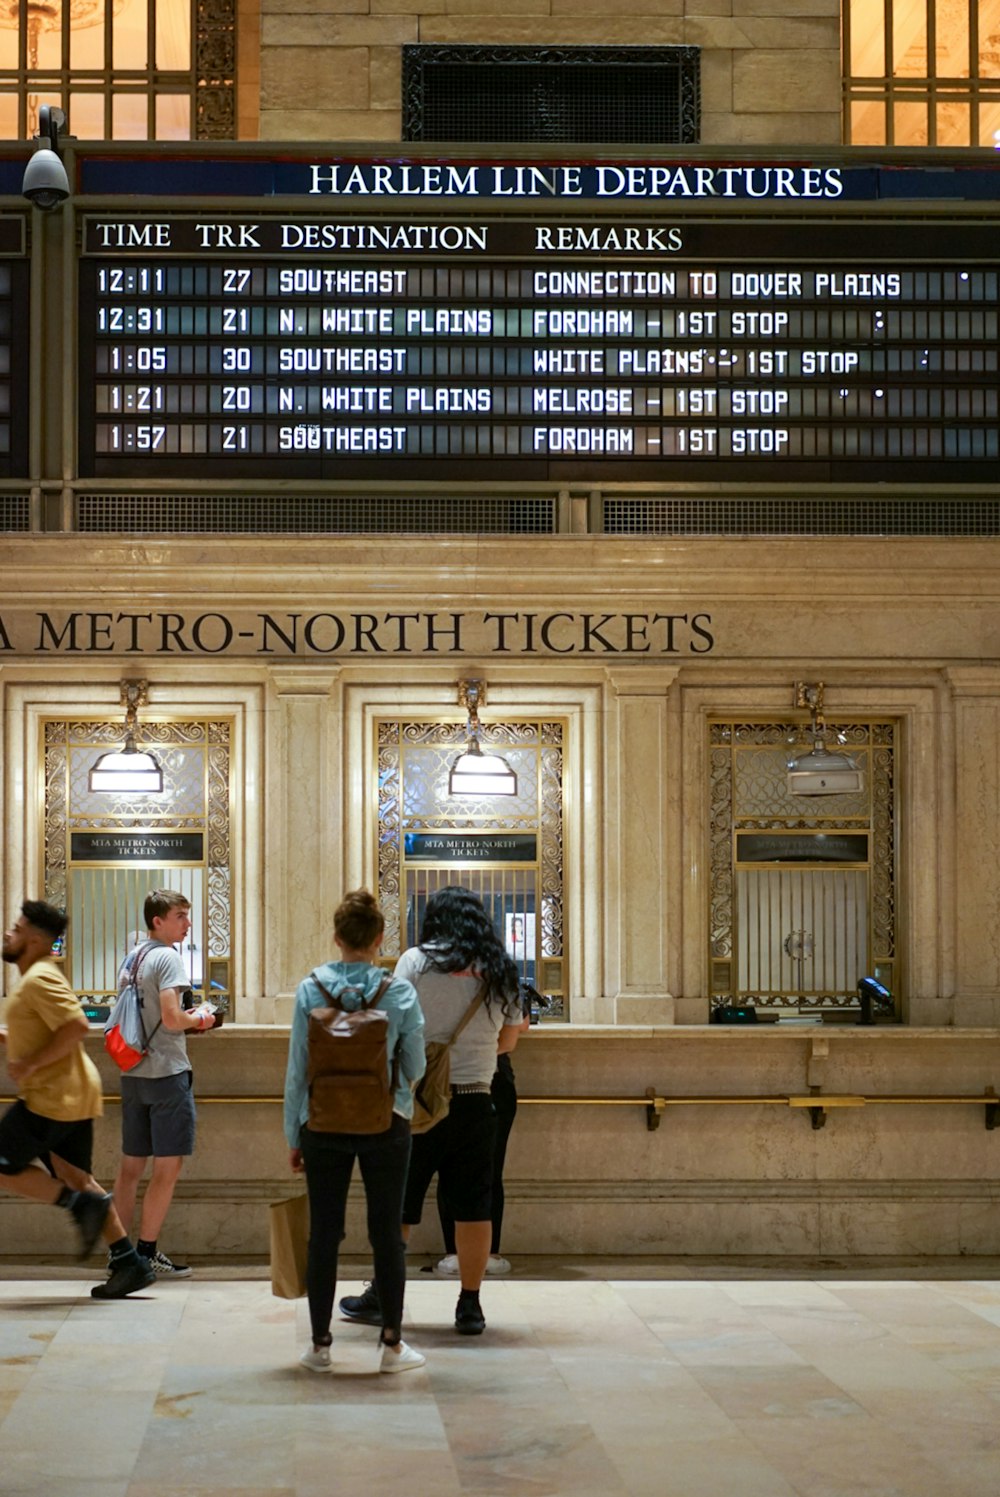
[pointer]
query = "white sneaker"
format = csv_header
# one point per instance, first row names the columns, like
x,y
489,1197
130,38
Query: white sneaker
x,y
403,1360
316,1358
495,1266
447,1267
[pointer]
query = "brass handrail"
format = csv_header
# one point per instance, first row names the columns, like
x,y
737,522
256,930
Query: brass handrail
x,y
816,1103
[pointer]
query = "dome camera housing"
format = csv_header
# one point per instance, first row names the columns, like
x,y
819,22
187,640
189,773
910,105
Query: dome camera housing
x,y
45,181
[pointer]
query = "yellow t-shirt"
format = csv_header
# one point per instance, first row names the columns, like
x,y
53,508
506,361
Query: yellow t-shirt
x,y
69,1089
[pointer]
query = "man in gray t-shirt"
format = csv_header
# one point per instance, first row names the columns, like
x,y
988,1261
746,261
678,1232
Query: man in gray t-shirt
x,y
158,1114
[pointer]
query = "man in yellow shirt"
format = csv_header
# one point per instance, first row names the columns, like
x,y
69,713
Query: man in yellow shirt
x,y
47,1136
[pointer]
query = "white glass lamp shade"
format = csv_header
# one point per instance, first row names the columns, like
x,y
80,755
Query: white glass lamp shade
x,y
128,770
822,772
476,773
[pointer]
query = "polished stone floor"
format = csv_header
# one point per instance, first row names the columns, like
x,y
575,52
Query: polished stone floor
x,y
620,1378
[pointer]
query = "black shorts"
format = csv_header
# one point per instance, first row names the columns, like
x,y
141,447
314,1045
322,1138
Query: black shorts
x,y
459,1150
158,1116
26,1136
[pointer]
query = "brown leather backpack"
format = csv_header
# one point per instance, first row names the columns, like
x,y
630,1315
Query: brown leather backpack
x,y
350,1090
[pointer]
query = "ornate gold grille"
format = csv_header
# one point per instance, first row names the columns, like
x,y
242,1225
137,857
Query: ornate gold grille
x,y
519,877
104,894
802,890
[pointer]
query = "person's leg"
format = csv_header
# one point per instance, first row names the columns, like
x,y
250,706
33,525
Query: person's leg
x,y
425,1151
467,1179
447,1223
504,1094
82,1179
137,1147
27,1137
126,1186
35,1184
472,1240
159,1194
328,1165
383,1162
366,1307
127,1272
172,1121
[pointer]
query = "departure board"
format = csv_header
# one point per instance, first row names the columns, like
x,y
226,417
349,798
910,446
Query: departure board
x,y
744,350
14,282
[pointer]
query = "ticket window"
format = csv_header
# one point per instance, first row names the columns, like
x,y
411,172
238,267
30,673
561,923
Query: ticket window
x,y
106,920
509,896
507,850
804,889
105,852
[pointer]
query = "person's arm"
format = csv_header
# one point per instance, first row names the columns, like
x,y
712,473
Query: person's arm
x,y
62,1042
177,1019
412,1056
296,1089
510,1034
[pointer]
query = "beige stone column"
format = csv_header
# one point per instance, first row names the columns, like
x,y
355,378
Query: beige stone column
x,y
642,804
303,872
976,716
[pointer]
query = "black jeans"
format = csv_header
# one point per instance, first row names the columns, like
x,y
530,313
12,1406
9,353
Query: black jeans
x,y
329,1162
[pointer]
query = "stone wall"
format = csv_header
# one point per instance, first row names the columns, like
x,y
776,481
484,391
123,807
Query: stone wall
x,y
770,69
716,1179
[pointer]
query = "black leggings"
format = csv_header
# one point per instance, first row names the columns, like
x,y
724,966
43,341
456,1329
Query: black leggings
x,y
504,1094
329,1162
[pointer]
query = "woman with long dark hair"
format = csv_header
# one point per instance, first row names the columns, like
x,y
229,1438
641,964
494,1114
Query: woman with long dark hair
x,y
328,1157
461,972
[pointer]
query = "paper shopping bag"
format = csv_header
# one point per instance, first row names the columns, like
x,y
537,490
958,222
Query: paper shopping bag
x,y
289,1241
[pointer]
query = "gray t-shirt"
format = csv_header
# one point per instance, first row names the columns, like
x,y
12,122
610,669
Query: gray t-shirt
x,y
444,998
160,966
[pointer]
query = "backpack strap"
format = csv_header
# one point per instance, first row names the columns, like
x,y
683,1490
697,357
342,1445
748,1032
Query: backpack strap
x,y
133,977
468,1014
372,1002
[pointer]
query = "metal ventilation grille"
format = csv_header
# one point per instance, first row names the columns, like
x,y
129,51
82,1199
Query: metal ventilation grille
x,y
320,514
690,515
15,512
615,95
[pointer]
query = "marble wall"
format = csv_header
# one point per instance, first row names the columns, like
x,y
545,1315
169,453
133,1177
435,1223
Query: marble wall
x,y
904,628
715,1179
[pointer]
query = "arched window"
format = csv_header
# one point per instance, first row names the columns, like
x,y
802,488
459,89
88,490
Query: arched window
x,y
921,72
121,69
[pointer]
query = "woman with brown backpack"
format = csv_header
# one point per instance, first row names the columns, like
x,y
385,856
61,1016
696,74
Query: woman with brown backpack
x,y
355,1051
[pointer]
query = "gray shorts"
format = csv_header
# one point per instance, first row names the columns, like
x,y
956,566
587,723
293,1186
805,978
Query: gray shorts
x,y
158,1116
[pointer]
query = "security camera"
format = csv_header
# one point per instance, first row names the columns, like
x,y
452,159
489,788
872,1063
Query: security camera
x,y
45,181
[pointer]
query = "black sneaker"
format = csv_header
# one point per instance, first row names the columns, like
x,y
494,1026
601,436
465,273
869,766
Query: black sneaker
x,y
469,1317
130,1273
364,1307
90,1212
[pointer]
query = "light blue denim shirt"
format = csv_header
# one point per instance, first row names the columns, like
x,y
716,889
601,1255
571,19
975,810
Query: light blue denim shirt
x,y
406,1030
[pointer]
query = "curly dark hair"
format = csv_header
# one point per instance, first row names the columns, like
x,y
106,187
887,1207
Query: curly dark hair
x,y
45,917
457,933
